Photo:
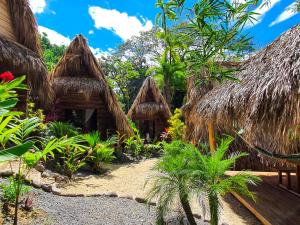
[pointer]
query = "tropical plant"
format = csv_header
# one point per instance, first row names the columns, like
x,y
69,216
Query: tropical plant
x,y
184,171
72,153
177,127
102,151
134,145
171,184
62,129
208,179
9,190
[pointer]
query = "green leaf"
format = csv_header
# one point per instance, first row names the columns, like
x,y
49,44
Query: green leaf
x,y
15,152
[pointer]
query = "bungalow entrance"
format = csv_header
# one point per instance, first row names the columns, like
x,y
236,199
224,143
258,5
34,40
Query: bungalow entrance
x,y
86,119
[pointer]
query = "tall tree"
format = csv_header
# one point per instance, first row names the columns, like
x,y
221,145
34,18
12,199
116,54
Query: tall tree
x,y
51,52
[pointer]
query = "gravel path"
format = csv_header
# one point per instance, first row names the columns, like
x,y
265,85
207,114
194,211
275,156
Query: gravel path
x,y
92,210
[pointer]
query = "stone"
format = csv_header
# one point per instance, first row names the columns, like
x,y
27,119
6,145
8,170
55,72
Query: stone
x,y
6,173
40,167
61,179
55,190
46,174
140,200
110,194
197,216
126,196
47,187
36,183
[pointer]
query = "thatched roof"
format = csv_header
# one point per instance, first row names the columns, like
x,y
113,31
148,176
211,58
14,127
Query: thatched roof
x,y
149,102
78,71
22,53
266,101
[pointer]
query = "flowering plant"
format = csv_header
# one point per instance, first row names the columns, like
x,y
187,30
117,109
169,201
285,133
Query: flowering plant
x,y
6,76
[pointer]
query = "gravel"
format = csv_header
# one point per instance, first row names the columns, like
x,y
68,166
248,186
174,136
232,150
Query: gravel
x,y
100,210
93,210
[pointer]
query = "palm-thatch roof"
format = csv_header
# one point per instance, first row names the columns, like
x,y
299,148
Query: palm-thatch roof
x,y
20,49
149,102
266,101
79,71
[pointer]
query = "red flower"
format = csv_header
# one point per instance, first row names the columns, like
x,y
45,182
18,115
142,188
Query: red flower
x,y
6,76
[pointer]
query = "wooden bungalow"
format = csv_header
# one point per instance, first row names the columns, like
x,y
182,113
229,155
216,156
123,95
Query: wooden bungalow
x,y
150,110
20,50
265,104
82,94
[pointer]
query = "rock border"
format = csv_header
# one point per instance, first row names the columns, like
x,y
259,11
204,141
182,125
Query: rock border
x,y
52,188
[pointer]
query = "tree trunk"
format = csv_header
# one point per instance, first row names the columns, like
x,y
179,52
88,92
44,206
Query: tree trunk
x,y
214,209
187,209
18,189
167,91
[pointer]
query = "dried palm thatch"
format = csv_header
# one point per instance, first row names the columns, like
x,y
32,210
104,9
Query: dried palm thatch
x,y
266,101
149,102
79,71
22,56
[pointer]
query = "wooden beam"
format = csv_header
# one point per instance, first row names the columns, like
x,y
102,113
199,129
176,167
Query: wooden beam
x,y
298,178
262,219
211,137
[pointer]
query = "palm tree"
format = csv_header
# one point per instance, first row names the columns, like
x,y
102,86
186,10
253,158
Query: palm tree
x,y
172,182
208,177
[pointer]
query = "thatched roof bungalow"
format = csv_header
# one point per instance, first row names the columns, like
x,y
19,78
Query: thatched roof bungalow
x,y
83,95
20,50
266,101
150,110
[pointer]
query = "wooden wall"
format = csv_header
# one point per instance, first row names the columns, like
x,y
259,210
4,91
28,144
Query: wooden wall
x,y
6,28
105,121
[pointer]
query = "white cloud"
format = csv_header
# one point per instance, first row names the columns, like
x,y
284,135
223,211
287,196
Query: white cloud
x,y
55,37
121,24
37,6
91,32
262,10
286,14
59,39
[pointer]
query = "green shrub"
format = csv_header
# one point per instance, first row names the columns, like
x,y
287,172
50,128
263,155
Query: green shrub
x,y
62,129
134,146
153,150
177,127
102,151
9,191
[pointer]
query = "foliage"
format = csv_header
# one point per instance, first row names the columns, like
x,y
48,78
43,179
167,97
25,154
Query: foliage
x,y
134,145
120,74
61,129
8,95
213,30
177,127
51,52
9,190
297,6
171,185
102,151
126,65
209,179
71,151
152,150
184,170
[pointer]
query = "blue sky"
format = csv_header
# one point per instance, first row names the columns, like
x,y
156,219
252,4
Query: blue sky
x,y
107,23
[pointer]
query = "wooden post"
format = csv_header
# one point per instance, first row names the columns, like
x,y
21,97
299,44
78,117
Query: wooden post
x,y
288,176
279,177
211,136
298,178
